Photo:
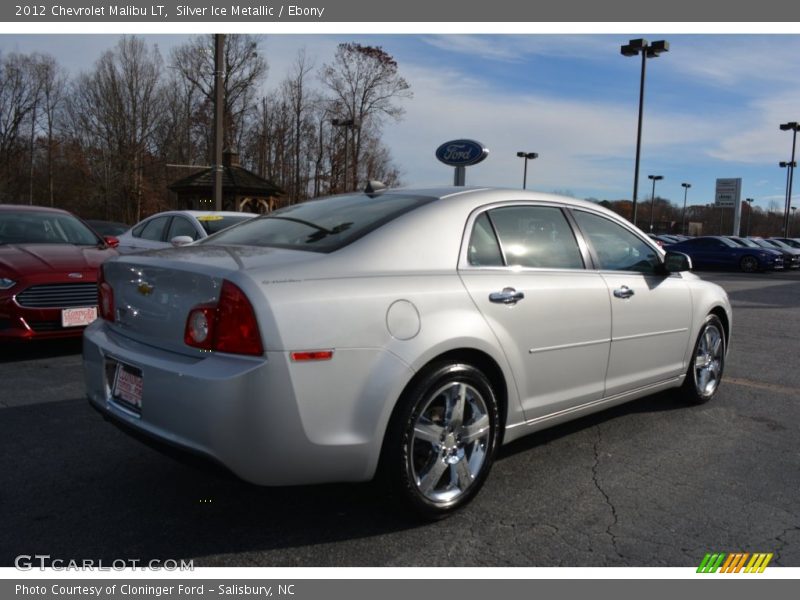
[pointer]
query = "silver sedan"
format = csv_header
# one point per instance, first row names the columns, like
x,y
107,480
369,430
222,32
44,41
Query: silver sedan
x,y
406,332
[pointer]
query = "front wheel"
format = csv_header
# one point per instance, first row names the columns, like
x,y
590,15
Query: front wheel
x,y
749,264
707,364
442,438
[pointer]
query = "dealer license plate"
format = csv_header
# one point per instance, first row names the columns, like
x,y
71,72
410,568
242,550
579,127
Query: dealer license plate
x,y
78,317
127,386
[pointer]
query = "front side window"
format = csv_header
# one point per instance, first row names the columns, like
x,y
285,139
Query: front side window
x,y
181,226
616,248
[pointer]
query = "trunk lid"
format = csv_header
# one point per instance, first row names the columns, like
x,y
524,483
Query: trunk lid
x,y
154,291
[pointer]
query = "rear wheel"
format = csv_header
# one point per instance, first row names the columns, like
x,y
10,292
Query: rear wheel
x,y
749,264
441,442
707,364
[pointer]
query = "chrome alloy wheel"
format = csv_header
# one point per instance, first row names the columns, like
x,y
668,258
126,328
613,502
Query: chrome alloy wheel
x,y
708,360
449,442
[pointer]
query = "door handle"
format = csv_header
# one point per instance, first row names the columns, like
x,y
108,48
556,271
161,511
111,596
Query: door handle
x,y
508,296
623,292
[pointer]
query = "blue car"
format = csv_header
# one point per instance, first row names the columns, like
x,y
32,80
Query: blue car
x,y
717,252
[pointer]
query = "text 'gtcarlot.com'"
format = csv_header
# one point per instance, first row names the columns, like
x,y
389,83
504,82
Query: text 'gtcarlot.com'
x,y
28,562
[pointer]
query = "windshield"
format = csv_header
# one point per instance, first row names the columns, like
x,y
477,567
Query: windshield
x,y
216,223
727,242
764,244
320,225
33,227
745,242
779,244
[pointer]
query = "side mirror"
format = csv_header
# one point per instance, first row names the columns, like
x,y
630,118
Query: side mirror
x,y
181,240
111,241
676,262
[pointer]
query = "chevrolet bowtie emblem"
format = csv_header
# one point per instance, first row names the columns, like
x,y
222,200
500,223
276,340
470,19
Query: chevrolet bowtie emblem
x,y
144,288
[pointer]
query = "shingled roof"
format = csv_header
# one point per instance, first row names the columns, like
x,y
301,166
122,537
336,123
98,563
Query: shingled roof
x,y
235,180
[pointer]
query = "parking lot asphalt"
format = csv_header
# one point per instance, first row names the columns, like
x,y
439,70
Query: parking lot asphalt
x,y
650,483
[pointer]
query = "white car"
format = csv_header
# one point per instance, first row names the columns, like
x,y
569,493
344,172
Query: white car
x,y
177,228
408,332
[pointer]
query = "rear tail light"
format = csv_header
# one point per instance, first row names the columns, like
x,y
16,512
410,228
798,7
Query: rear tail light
x,y
228,326
105,295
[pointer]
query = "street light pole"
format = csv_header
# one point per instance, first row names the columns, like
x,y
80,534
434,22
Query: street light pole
x,y
654,178
749,212
526,156
686,187
789,166
647,50
219,115
792,126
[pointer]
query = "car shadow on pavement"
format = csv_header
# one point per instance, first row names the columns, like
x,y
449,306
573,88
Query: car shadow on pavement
x,y
19,351
73,487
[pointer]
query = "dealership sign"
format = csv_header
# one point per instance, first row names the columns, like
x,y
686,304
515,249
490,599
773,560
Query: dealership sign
x,y
728,193
461,153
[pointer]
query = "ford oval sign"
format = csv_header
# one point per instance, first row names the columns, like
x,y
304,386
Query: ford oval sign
x,y
461,153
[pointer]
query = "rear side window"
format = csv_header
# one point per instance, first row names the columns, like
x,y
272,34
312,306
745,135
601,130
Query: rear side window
x,y
153,229
528,236
320,225
616,248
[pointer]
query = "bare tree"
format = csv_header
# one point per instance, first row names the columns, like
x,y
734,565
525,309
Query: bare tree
x,y
116,109
19,92
300,101
245,69
365,84
53,85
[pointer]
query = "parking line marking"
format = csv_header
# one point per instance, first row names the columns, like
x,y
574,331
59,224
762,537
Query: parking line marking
x,y
762,385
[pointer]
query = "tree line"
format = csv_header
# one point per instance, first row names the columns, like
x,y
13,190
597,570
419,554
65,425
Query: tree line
x,y
705,219
106,143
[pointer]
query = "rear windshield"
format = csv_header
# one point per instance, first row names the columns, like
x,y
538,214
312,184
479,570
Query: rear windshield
x,y
216,223
320,225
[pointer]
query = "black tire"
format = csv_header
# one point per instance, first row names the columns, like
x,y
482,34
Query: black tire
x,y
434,460
748,264
706,364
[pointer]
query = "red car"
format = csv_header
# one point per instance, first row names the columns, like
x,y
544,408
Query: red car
x,y
48,272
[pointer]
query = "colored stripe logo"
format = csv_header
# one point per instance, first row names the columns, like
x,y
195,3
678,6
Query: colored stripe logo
x,y
736,562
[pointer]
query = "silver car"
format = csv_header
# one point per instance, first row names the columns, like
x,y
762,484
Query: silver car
x,y
177,228
407,332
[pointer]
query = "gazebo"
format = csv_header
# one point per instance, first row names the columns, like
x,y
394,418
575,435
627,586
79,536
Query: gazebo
x,y
242,190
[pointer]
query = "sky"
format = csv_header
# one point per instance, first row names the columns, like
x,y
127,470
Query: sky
x,y
713,105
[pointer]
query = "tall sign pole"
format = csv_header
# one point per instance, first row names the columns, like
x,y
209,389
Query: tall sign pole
x,y
219,114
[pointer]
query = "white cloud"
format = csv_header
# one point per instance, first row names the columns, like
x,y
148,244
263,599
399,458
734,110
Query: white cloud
x,y
515,48
583,144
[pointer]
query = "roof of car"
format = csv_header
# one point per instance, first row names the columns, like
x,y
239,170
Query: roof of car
x,y
30,208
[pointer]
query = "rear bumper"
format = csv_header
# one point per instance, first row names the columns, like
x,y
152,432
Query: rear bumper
x,y
269,421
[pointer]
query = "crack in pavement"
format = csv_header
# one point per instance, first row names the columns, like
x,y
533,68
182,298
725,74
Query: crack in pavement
x,y
784,543
596,481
